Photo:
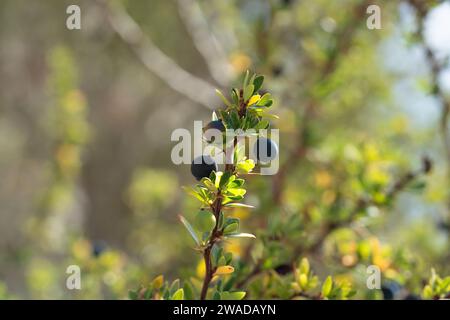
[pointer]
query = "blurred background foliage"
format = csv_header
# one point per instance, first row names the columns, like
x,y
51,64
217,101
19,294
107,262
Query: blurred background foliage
x,y
86,118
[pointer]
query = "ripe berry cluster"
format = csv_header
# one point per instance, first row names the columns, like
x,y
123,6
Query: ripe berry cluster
x,y
219,191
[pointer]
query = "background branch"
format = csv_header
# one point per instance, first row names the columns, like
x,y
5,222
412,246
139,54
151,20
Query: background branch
x,y
192,87
205,41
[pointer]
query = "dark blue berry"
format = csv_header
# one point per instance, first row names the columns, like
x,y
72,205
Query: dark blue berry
x,y
217,125
202,167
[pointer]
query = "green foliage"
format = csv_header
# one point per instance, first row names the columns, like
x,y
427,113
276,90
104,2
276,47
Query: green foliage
x,y
437,287
363,176
223,190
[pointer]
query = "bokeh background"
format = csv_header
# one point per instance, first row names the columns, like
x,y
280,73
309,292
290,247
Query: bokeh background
x,y
86,116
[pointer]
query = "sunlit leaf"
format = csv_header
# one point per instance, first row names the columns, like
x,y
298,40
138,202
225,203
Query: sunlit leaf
x,y
224,270
225,100
178,295
237,295
158,282
238,205
241,235
248,92
327,286
189,228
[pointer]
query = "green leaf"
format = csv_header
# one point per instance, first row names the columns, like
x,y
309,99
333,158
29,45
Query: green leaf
x,y
231,220
304,266
148,294
235,96
327,287
236,183
229,284
245,166
208,183
231,228
247,73
427,292
218,178
258,82
224,180
188,291
189,228
216,295
236,197
216,253
175,286
166,295
205,194
222,261
132,295
270,116
226,118
235,121
225,100
236,191
221,220
196,194
237,295
228,257
303,281
214,116
241,235
252,78
263,124
264,99
248,92
351,293
238,205
178,295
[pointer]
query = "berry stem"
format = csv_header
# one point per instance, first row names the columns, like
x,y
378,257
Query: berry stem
x,y
215,236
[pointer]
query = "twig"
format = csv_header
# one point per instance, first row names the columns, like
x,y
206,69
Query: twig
x,y
194,88
216,234
205,41
215,237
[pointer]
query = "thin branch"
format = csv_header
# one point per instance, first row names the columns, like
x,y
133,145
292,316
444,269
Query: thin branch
x,y
205,41
156,61
216,235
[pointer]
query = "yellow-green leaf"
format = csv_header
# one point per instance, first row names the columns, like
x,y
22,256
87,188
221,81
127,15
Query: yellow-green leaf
x,y
223,270
327,286
158,282
237,295
178,295
254,99
304,266
303,281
